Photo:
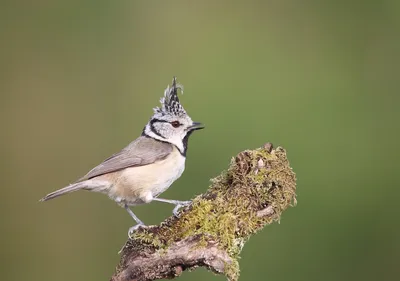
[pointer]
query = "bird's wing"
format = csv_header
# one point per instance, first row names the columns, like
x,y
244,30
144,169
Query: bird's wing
x,y
142,151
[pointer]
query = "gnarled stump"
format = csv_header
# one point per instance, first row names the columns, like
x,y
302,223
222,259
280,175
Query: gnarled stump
x,y
257,187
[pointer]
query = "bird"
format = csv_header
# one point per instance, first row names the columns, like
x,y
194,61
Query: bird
x,y
147,166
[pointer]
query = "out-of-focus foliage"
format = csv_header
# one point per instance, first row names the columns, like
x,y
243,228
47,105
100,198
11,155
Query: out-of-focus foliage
x,y
78,80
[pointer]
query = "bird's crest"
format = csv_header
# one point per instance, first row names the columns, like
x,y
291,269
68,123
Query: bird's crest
x,y
170,102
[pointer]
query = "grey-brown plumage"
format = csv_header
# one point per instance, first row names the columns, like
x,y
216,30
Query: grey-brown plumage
x,y
142,151
148,165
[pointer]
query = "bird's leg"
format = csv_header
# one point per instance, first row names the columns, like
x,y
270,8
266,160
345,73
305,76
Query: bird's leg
x,y
138,221
178,204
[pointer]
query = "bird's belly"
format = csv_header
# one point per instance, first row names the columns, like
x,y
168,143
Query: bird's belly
x,y
137,185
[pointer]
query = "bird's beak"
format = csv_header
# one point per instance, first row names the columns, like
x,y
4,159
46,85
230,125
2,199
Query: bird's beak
x,y
196,126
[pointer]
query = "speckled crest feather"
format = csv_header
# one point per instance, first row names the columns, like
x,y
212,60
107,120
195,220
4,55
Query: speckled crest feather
x,y
170,102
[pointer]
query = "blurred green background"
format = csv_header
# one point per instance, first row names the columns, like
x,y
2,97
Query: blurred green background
x,y
79,79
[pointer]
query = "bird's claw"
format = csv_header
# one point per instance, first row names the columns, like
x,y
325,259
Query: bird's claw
x,y
181,204
134,228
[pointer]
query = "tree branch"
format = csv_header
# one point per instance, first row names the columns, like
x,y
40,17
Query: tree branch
x,y
211,232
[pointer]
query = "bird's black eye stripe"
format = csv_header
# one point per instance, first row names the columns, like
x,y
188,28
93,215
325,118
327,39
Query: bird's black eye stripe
x,y
175,123
152,121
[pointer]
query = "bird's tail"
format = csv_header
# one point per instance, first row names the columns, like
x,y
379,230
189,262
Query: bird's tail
x,y
88,184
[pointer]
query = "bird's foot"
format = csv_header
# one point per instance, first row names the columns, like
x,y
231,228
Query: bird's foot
x,y
179,205
134,228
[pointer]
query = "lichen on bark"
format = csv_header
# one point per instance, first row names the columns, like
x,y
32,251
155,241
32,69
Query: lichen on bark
x,y
211,232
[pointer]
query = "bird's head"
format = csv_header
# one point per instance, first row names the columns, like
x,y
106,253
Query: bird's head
x,y
170,122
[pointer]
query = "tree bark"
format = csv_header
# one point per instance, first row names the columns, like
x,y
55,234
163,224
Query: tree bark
x,y
211,232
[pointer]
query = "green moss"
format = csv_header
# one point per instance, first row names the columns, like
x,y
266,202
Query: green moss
x,y
228,212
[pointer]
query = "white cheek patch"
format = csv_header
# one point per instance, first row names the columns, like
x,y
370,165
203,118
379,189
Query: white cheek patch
x,y
151,134
175,140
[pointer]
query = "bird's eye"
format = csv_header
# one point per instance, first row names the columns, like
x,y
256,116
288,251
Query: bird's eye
x,y
175,124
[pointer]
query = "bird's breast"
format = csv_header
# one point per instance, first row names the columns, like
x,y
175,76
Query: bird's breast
x,y
135,182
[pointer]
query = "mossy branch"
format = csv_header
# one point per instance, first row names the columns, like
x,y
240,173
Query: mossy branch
x,y
211,232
